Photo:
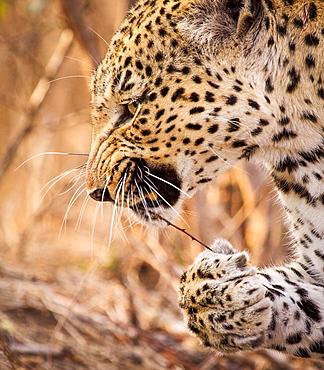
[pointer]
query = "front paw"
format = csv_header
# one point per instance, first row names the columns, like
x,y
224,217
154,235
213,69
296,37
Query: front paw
x,y
224,300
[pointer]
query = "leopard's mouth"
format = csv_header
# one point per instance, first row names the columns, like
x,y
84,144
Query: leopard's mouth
x,y
147,188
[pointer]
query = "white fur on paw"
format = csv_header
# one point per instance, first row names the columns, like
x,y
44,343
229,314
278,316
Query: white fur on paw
x,y
224,300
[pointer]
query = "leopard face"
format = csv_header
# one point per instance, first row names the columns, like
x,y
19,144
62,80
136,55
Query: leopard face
x,y
183,93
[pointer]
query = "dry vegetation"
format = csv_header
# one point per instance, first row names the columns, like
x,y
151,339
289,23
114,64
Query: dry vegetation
x,y
71,296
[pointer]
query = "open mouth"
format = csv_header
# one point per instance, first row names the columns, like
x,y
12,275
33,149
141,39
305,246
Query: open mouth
x,y
144,187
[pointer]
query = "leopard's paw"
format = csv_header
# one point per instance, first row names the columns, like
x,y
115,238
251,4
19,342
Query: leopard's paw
x,y
224,300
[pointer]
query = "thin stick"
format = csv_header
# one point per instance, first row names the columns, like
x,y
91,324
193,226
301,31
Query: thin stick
x,y
182,230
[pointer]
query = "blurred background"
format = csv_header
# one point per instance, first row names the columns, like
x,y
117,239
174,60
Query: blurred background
x,y
77,292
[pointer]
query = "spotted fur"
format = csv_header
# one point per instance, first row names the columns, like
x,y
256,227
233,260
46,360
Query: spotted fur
x,y
186,90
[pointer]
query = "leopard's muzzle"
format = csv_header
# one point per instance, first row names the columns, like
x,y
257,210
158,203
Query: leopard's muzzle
x,y
140,185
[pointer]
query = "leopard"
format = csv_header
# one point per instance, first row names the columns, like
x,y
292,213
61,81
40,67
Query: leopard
x,y
186,90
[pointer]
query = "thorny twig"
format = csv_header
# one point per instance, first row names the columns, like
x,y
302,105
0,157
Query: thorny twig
x,y
182,230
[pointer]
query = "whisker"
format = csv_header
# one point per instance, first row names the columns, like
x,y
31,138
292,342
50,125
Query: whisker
x,y
96,33
54,181
155,190
66,77
46,153
75,180
79,220
80,61
223,160
167,182
72,201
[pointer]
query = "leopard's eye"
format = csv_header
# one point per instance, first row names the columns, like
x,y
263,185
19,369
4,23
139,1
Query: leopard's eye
x,y
125,115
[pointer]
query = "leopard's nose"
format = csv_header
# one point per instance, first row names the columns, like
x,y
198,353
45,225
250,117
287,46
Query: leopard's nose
x,y
101,195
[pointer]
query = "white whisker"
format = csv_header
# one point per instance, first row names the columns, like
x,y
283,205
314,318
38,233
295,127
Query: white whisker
x,y
80,61
46,153
75,196
66,77
167,182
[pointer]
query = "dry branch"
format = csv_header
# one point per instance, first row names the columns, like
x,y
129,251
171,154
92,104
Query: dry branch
x,y
76,22
36,100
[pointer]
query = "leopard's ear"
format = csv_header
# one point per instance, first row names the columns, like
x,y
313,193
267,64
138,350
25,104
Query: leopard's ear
x,y
208,23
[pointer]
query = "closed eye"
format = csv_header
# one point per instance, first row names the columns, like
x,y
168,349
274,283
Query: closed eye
x,y
125,115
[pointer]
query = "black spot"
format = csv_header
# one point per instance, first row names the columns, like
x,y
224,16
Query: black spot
x,y
268,86
186,140
264,122
282,30
212,84
158,81
212,129
284,135
193,126
317,347
284,121
294,78
164,90
171,68
267,23
320,93
137,39
177,94
171,118
238,143
204,274
253,104
256,131
311,309
292,46
152,96
298,23
212,158
176,6
162,32
290,164
159,56
302,352
209,97
312,11
196,110
159,114
199,141
309,116
249,151
279,348
196,79
148,71
270,41
146,132
186,70
294,338
204,181
139,65
231,100
310,61
311,39
194,97
127,61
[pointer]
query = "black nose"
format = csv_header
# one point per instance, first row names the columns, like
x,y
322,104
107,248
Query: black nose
x,y
101,195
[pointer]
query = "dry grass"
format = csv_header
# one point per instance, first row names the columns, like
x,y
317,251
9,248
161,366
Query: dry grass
x,y
71,298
